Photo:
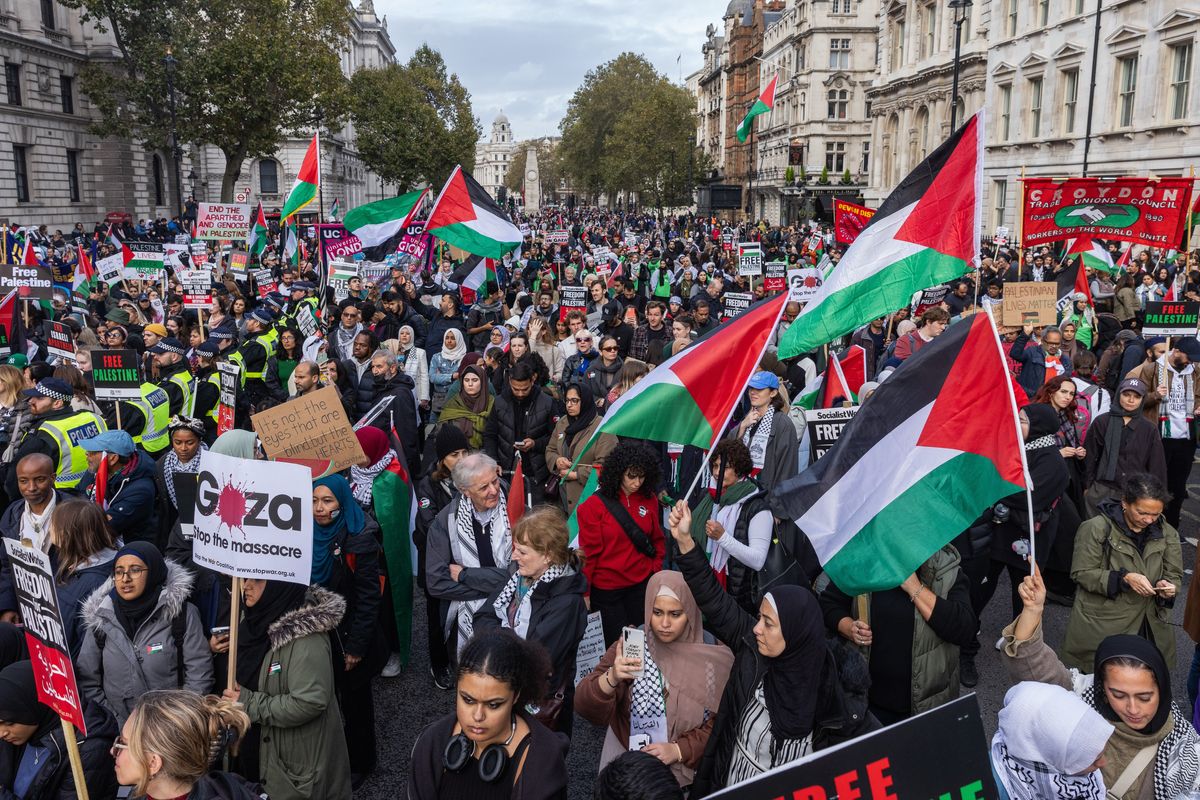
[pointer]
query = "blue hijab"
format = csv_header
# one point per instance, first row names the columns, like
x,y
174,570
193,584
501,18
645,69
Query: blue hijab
x,y
350,516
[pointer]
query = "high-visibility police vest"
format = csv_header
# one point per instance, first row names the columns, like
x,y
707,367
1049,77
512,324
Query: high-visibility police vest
x,y
267,340
67,434
184,381
155,406
215,380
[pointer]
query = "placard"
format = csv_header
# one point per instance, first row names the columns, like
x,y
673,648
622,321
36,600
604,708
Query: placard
x,y
1000,237
736,303
253,522
147,262
775,276
558,237
265,282
727,242
571,298
1175,318
59,342
750,258
803,284
227,400
340,273
928,299
1029,303
171,253
45,634
197,288
312,426
198,253
115,375
892,762
32,282
238,264
591,647
825,426
222,220
306,320
111,269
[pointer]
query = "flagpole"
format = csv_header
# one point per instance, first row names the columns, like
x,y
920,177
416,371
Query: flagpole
x,y
1187,236
1012,399
1020,229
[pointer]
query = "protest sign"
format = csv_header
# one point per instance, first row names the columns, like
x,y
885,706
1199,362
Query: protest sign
x,y
727,242
182,238
803,284
5,347
591,647
571,298
1151,211
749,258
1171,319
37,600
227,400
115,375
238,263
1029,303
265,282
848,220
59,342
306,321
111,269
171,253
252,522
197,288
736,303
888,763
222,220
928,299
1000,237
825,426
146,263
337,242
198,252
340,273
312,426
558,237
31,282
524,229
775,276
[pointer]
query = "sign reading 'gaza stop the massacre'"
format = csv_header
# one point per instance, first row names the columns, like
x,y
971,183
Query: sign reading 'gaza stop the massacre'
x,y
252,522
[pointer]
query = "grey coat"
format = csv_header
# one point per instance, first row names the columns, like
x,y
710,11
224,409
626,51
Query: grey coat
x,y
476,583
119,675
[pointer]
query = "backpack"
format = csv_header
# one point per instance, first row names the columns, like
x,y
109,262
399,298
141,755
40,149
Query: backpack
x,y
178,632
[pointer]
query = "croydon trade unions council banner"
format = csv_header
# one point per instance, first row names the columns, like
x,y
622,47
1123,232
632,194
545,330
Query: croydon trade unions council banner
x,y
1148,211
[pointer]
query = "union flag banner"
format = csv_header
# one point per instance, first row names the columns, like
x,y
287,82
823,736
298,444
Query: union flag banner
x,y
849,219
1150,211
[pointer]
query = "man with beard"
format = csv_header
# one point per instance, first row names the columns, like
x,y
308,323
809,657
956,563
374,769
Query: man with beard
x,y
521,423
389,380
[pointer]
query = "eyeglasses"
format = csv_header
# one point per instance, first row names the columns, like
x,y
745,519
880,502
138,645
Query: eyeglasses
x,y
133,572
583,339
609,349
118,745
572,401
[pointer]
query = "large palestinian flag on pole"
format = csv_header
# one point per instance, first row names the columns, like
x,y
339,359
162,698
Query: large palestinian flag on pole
x,y
380,225
1094,254
925,233
304,190
764,103
465,216
256,237
935,445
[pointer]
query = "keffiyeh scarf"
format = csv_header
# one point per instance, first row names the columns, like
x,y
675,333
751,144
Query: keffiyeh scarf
x,y
1029,780
465,553
757,438
514,605
362,478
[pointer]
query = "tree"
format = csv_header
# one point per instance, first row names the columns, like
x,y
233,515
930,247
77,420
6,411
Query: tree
x,y
413,121
248,72
548,169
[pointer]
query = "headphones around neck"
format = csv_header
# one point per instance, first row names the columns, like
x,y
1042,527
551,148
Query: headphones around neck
x,y
493,762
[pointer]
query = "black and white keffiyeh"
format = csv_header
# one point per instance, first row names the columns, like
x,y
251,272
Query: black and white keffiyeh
x,y
1029,780
466,554
757,437
362,478
519,620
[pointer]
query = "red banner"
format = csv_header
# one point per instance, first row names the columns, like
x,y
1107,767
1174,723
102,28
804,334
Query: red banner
x,y
849,219
1148,211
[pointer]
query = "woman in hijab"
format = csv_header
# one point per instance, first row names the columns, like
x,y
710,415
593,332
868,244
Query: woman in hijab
x,y
469,409
285,682
443,369
413,361
680,720
789,693
186,435
36,766
346,561
1154,751
571,441
1119,443
237,443
1049,745
141,633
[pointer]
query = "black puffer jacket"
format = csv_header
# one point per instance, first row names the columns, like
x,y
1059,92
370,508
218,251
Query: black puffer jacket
x,y
53,780
403,414
499,434
842,708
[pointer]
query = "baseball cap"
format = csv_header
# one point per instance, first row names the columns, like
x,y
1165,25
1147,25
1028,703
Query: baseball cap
x,y
764,380
1132,385
168,345
54,388
18,360
117,442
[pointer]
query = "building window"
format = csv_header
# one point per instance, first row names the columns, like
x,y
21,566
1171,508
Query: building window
x,y
842,7
73,176
999,201
1070,99
928,23
839,54
1035,107
896,52
66,88
12,82
1010,20
866,158
839,100
1078,6
1127,68
1005,111
835,157
157,168
48,14
21,171
1181,79
268,176
1043,10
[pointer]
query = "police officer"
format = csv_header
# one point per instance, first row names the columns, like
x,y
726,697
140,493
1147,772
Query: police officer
x,y
174,374
208,387
225,337
252,355
300,303
144,419
56,430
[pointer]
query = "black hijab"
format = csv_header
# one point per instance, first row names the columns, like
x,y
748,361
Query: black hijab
x,y
1113,432
1046,465
131,614
1129,646
793,680
19,700
12,644
587,411
254,641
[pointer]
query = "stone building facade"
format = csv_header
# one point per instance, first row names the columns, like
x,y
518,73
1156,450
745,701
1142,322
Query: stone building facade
x,y
492,157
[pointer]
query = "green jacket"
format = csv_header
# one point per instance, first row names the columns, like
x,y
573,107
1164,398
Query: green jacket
x,y
934,660
303,750
1104,605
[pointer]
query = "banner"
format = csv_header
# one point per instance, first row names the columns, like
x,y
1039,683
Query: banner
x,y
416,242
222,220
59,342
1029,302
849,219
115,375
803,284
227,399
750,258
775,276
253,522
571,298
45,634
736,303
337,242
313,426
825,426
1151,211
1171,319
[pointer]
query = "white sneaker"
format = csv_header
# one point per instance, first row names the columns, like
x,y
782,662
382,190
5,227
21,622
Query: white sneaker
x,y
393,667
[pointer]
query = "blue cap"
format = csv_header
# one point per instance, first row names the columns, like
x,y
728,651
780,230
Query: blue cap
x,y
303,286
764,380
54,388
118,442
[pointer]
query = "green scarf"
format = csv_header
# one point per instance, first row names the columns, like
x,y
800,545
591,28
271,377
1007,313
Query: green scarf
x,y
739,491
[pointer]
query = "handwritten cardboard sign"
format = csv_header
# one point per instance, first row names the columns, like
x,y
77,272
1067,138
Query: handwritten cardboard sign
x,y
312,426
1029,303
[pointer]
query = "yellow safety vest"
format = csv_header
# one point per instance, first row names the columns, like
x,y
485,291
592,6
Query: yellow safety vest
x,y
155,406
215,380
184,381
67,434
267,340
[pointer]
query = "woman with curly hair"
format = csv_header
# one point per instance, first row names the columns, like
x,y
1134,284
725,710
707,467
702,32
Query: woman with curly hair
x,y
620,533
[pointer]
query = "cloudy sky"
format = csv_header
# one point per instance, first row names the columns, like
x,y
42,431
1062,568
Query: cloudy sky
x,y
529,57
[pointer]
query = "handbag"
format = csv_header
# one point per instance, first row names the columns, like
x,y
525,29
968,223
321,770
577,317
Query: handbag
x,y
781,567
548,711
550,490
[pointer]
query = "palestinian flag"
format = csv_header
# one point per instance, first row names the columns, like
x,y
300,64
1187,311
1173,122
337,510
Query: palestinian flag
x,y
381,225
304,190
1190,223
83,282
700,385
1071,281
465,216
12,325
392,496
843,378
1094,254
589,489
764,103
472,275
925,233
256,237
936,445
291,245
336,210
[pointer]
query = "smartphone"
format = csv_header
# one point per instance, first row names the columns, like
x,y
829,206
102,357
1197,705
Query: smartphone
x,y
221,631
633,645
